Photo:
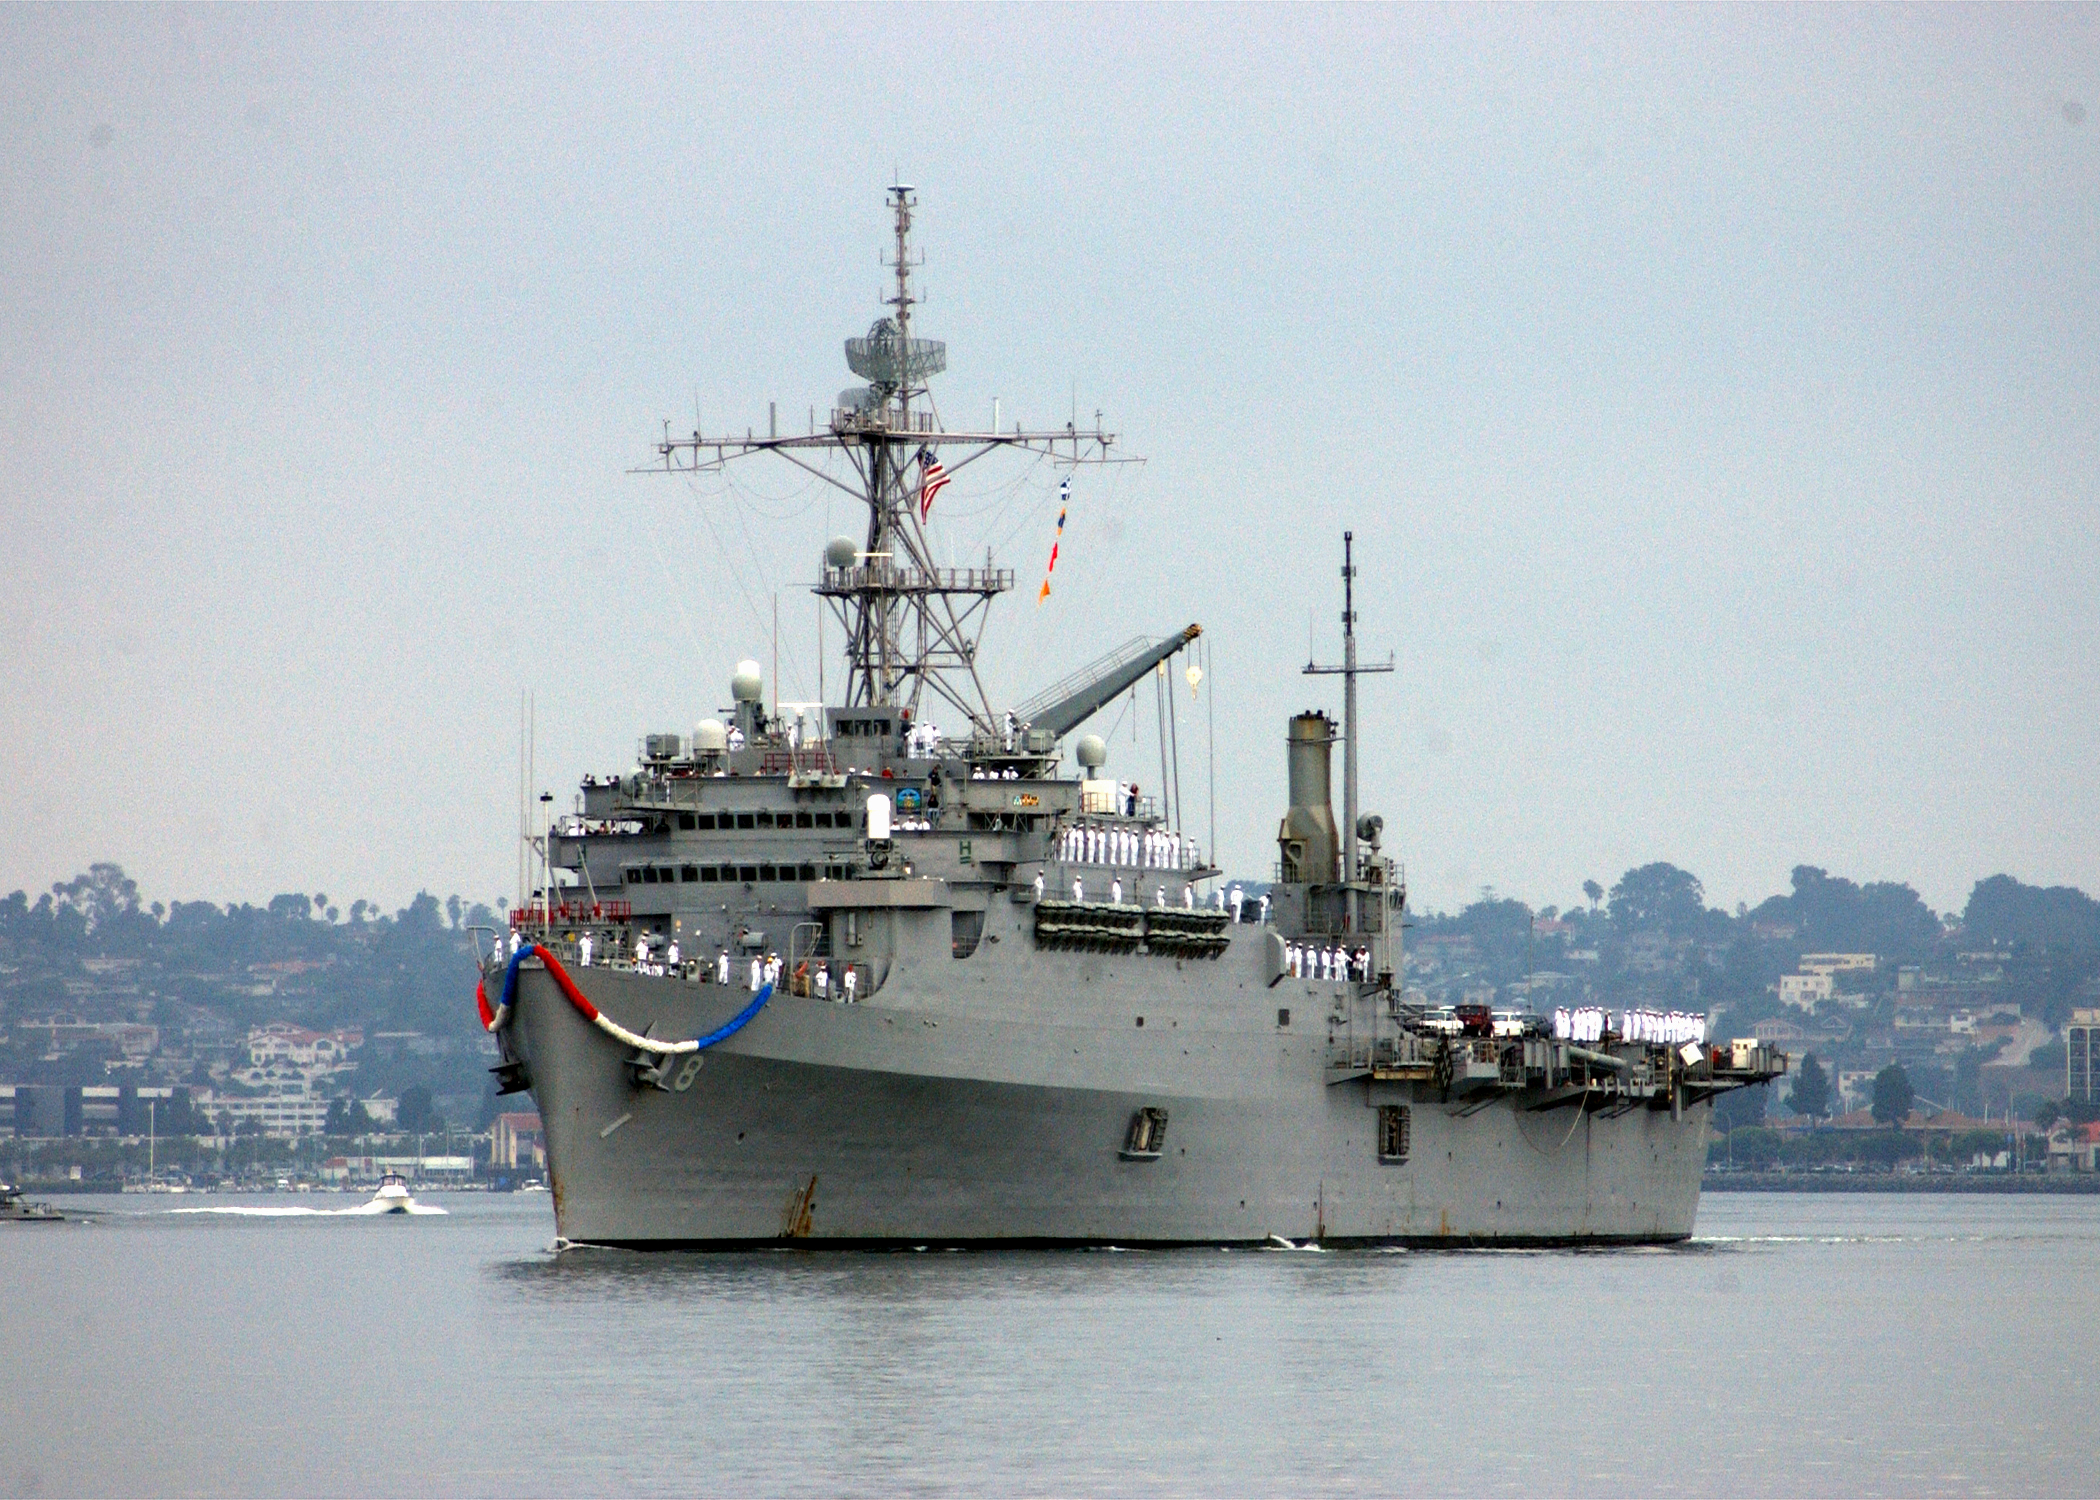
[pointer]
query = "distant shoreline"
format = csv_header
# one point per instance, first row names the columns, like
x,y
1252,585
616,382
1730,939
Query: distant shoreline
x,y
1876,1182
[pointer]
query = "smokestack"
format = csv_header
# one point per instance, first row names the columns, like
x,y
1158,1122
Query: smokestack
x,y
1307,839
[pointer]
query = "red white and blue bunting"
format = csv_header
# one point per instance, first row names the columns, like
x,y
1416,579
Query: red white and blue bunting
x,y
495,1019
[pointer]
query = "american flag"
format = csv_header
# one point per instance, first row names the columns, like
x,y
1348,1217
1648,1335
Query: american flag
x,y
932,479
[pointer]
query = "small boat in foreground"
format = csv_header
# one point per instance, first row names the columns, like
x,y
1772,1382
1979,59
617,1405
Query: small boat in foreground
x,y
392,1197
14,1209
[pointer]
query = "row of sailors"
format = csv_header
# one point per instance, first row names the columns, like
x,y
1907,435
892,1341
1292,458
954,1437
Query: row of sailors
x,y
1234,901
765,969
1590,1023
1115,892
573,826
1335,965
1146,849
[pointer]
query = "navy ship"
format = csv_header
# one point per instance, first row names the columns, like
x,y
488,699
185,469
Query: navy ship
x,y
914,970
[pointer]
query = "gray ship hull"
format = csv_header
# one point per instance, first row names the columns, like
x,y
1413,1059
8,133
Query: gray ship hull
x,y
933,1114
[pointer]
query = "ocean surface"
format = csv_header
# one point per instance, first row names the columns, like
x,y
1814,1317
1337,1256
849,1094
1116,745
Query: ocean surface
x,y
1817,1344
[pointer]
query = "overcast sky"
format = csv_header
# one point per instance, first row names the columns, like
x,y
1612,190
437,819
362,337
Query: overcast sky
x,y
1711,392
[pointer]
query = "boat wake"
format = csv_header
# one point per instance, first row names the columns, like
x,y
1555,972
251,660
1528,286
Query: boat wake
x,y
362,1211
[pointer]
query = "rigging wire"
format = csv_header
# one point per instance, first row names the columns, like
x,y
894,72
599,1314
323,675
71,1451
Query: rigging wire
x,y
728,560
1210,748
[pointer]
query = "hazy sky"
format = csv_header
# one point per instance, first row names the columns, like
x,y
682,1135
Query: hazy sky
x,y
1711,392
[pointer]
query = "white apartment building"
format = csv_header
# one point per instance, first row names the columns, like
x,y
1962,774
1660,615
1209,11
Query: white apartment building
x,y
1802,991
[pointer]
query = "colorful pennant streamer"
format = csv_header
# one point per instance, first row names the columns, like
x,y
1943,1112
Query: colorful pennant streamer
x,y
1064,500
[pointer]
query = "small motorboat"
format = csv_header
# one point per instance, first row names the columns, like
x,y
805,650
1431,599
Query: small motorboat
x,y
14,1209
392,1197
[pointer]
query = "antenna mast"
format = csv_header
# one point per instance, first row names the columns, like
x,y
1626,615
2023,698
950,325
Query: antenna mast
x,y
910,626
1348,671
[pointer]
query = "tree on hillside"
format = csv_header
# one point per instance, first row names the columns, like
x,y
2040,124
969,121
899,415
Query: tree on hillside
x,y
1811,1095
1832,914
2001,910
1659,896
414,1112
1593,892
1893,1096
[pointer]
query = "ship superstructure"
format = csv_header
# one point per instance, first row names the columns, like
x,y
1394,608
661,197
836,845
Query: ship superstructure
x,y
860,981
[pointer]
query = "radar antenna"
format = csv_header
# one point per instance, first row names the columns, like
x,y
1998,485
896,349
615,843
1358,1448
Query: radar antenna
x,y
911,626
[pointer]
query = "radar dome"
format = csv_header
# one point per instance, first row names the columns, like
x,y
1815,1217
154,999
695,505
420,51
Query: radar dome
x,y
1093,751
840,551
709,734
748,685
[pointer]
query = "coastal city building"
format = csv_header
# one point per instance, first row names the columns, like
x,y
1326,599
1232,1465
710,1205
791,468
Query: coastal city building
x,y
1837,963
1803,991
517,1140
2082,1056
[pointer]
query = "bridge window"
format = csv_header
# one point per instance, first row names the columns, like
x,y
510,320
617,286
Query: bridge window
x,y
705,820
745,820
767,872
688,873
808,872
709,873
804,820
765,820
747,872
685,822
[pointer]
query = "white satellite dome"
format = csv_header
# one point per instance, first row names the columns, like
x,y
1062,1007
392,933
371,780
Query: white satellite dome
x,y
748,685
710,734
1092,751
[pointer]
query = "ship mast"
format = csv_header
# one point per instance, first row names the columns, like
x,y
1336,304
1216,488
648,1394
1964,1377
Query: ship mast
x,y
1348,671
912,628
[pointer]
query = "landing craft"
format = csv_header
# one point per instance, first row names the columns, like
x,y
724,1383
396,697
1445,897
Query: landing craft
x,y
899,977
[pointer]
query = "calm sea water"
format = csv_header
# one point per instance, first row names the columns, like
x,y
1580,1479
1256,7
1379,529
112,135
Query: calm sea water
x,y
1810,1344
